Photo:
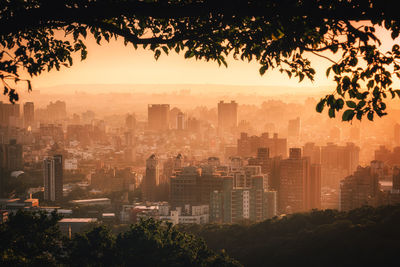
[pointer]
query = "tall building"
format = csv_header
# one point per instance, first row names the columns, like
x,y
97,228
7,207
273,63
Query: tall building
x,y
184,188
29,114
397,134
9,114
313,152
268,165
158,117
337,162
359,189
151,179
181,121
53,178
247,146
227,116
236,204
294,127
130,122
299,188
11,156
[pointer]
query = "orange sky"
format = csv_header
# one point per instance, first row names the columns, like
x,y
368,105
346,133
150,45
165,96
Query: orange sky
x,y
113,63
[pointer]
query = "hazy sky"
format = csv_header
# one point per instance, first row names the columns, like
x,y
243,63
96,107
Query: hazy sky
x,y
113,63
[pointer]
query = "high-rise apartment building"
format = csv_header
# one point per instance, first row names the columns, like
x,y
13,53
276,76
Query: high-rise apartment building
x,y
268,165
294,127
158,117
151,179
181,121
9,114
53,178
29,114
337,162
247,146
11,156
236,204
397,134
57,110
193,185
313,152
130,122
184,189
359,189
299,188
227,116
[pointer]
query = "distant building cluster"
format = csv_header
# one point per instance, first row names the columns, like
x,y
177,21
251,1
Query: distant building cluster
x,y
226,163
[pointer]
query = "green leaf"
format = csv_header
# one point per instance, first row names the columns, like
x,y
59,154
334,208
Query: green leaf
x,y
263,69
370,116
351,104
348,115
331,113
328,71
320,106
165,49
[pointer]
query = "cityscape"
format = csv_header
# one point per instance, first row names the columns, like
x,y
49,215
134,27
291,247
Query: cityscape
x,y
222,162
199,133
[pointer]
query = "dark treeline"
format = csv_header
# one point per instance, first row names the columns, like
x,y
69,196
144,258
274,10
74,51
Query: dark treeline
x,y
362,237
34,239
365,236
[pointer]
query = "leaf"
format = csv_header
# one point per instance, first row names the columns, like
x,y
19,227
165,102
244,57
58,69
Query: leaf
x,y
351,104
320,106
165,49
157,54
263,69
348,115
328,71
331,113
370,116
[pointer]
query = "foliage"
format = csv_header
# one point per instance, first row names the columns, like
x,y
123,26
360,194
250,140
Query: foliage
x,y
362,237
30,240
39,35
33,239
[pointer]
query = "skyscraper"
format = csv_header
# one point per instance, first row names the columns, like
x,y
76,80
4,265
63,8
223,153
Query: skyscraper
x,y
151,179
294,127
29,114
181,121
313,152
9,114
130,122
227,116
11,156
300,183
358,189
337,162
53,178
397,134
158,117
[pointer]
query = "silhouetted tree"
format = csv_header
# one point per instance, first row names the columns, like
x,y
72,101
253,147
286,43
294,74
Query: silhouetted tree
x,y
39,35
30,239
34,239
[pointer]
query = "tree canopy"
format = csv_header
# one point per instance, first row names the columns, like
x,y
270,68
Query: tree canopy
x,y
39,35
34,239
365,236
